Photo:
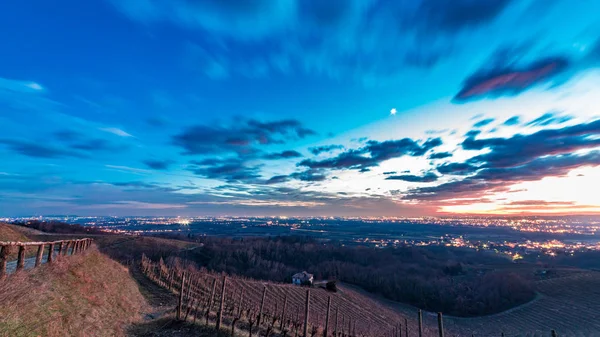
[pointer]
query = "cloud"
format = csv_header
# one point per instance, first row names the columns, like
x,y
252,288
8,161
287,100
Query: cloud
x,y
241,137
325,148
540,203
116,131
373,153
335,38
78,141
519,149
427,178
158,164
514,120
456,168
549,119
283,155
483,122
516,159
36,150
277,179
451,16
228,169
20,86
309,175
440,155
509,79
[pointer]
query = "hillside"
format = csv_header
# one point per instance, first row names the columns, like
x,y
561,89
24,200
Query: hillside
x,y
82,295
355,312
12,233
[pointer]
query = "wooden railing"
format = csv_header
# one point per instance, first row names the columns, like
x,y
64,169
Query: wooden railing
x,y
62,247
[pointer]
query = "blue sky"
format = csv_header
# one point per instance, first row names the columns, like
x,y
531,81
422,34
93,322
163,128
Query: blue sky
x,y
181,107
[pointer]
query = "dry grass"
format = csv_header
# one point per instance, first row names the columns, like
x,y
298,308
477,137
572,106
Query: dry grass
x,y
83,295
11,233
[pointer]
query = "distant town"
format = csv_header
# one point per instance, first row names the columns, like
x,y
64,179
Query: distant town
x,y
515,238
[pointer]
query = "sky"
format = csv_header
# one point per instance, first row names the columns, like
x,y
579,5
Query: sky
x,y
299,107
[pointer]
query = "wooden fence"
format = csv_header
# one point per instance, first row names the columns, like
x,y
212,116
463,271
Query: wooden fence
x,y
61,248
198,298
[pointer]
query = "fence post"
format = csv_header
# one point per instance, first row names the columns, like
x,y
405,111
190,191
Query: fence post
x,y
325,332
406,327
21,258
211,300
306,310
262,305
60,249
220,317
420,323
440,325
66,251
4,251
283,312
38,257
337,311
51,253
180,302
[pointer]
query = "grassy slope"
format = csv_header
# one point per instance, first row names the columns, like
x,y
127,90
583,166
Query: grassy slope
x,y
11,233
84,295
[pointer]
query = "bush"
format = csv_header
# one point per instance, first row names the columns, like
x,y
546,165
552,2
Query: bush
x,y
331,286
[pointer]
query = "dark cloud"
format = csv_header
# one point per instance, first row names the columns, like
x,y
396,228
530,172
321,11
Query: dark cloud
x,y
309,175
229,169
483,122
78,141
241,138
509,79
440,155
325,148
158,164
37,150
450,16
514,120
456,169
390,172
283,155
373,153
549,118
472,133
427,178
277,179
520,158
519,149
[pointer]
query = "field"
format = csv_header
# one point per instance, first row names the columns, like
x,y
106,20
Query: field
x,y
569,304
355,312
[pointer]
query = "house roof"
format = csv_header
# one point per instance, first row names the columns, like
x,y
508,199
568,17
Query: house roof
x,y
303,275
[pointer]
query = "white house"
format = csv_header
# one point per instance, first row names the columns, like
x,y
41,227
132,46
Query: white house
x,y
302,278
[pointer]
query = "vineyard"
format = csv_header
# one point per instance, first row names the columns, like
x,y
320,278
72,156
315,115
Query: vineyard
x,y
283,309
569,304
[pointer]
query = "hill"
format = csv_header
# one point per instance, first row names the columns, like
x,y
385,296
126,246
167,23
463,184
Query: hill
x,y
82,295
12,233
356,313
